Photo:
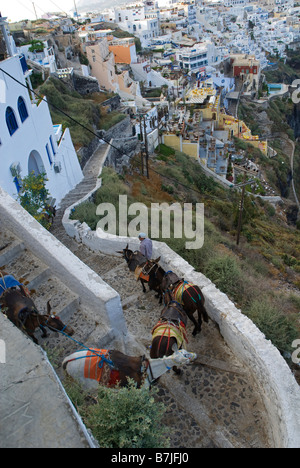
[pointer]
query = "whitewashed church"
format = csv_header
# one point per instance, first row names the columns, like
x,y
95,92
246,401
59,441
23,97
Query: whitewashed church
x,y
29,141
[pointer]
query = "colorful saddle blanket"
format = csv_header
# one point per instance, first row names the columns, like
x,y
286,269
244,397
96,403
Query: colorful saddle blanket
x,y
139,274
97,367
180,290
170,330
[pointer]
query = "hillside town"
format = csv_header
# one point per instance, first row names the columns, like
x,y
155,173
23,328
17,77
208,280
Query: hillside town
x,y
180,68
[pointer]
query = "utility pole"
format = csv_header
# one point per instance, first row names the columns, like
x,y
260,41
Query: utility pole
x,y
142,151
146,148
76,12
34,10
241,207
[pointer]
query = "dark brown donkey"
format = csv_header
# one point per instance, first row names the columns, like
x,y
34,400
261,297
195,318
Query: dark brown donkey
x,y
169,331
188,295
147,271
20,310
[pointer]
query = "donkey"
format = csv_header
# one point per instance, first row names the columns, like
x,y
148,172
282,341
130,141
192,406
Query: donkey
x,y
188,295
21,311
142,268
94,367
169,331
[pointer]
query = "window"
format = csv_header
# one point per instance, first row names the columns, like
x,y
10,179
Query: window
x,y
52,145
48,154
11,121
22,109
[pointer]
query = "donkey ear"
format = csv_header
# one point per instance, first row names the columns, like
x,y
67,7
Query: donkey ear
x,y
157,260
126,247
174,348
49,308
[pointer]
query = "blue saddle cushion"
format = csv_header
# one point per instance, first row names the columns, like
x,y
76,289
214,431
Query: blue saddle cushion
x,y
9,282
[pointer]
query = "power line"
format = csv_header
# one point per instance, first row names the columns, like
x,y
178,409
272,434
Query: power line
x,y
176,182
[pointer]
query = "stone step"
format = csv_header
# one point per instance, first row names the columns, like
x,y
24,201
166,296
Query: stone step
x,y
10,251
63,301
27,269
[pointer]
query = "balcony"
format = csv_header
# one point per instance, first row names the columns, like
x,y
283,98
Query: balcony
x,y
58,131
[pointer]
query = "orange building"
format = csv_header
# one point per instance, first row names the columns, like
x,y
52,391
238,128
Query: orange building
x,y
123,49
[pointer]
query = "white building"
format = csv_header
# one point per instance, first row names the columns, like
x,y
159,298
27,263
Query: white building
x,y
142,20
28,139
196,59
144,29
233,3
46,58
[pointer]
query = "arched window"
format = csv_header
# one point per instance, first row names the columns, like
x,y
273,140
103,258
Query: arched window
x,y
11,121
22,109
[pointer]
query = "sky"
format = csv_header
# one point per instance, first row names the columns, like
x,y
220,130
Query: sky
x,y
16,10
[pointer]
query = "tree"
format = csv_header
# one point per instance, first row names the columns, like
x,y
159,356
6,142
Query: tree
x,y
33,197
36,46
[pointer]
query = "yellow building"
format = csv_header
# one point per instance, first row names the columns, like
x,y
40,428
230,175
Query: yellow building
x,y
178,143
205,99
239,129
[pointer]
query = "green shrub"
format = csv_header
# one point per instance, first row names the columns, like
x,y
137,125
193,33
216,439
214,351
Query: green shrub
x,y
225,272
280,329
87,113
33,197
111,119
127,418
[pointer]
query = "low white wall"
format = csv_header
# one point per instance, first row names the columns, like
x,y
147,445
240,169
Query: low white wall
x,y
279,388
75,274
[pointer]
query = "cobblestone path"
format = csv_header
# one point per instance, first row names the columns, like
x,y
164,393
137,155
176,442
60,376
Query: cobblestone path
x,y
215,402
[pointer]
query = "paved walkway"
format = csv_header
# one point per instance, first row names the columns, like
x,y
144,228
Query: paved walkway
x,y
215,402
